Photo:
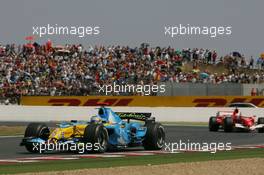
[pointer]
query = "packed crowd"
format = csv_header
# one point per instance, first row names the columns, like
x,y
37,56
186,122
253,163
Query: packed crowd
x,y
34,69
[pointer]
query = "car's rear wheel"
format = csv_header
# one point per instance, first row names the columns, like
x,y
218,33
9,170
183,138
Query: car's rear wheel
x,y
155,137
228,124
97,136
261,121
36,130
213,125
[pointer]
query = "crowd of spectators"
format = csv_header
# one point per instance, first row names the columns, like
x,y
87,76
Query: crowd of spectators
x,y
34,69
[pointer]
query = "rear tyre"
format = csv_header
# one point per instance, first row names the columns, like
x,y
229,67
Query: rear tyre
x,y
155,137
228,124
261,121
97,136
213,125
36,130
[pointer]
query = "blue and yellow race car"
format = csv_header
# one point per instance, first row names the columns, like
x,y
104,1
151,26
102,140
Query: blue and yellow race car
x,y
105,131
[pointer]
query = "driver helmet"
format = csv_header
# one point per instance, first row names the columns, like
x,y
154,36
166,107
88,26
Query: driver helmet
x,y
236,110
96,119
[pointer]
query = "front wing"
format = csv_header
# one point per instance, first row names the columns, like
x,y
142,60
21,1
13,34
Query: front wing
x,y
254,127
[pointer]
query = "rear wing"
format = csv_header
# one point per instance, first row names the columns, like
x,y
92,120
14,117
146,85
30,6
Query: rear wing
x,y
134,116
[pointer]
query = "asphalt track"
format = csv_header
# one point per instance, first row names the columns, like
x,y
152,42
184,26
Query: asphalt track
x,y
9,146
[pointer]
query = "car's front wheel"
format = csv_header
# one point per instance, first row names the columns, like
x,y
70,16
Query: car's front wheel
x,y
213,125
155,136
36,130
228,124
261,121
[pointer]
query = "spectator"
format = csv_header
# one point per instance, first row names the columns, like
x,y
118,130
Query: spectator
x,y
73,70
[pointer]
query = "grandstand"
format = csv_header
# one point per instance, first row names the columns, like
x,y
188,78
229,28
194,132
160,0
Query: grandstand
x,y
46,70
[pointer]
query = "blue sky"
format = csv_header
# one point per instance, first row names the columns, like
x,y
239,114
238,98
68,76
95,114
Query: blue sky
x,y
127,22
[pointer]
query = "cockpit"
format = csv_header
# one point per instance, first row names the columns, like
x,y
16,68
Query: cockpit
x,y
108,115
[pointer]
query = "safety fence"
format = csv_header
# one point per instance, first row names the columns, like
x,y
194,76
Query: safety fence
x,y
67,113
141,101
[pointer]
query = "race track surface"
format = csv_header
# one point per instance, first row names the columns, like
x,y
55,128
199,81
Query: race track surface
x,y
9,146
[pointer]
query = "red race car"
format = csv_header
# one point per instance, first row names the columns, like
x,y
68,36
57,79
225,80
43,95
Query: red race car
x,y
234,120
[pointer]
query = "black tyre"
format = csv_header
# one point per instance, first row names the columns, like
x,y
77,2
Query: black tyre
x,y
97,136
36,130
228,124
155,137
261,121
213,125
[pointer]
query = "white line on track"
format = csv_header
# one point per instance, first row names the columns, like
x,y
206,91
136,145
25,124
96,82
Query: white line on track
x,y
49,158
16,136
97,155
17,161
131,153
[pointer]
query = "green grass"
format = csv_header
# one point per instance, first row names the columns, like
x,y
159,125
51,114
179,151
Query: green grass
x,y
12,130
129,161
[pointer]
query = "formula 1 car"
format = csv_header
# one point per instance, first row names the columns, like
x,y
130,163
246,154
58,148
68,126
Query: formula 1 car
x,y
107,130
232,120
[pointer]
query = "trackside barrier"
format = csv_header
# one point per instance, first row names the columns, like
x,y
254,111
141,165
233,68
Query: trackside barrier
x,y
65,113
141,101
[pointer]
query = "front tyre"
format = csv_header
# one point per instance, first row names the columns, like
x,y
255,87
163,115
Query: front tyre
x,y
228,124
97,136
36,130
155,137
213,125
261,121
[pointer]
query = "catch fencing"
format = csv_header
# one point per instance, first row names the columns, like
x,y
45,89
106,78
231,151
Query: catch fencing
x,y
223,89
